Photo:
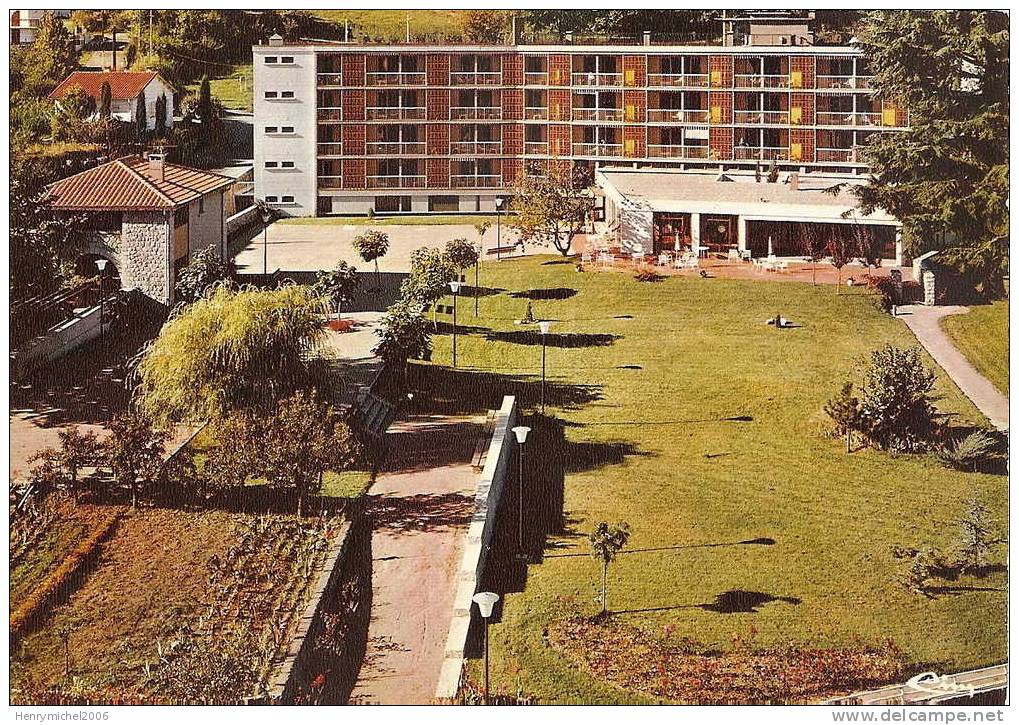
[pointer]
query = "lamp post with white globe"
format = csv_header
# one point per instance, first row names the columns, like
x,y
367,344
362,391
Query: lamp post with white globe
x,y
544,326
101,264
486,602
454,287
520,432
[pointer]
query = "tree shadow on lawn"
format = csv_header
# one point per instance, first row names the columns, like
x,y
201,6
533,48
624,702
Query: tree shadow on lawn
x,y
553,339
549,293
735,601
374,294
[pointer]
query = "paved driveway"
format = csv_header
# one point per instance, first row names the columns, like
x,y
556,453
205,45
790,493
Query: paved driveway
x,y
311,247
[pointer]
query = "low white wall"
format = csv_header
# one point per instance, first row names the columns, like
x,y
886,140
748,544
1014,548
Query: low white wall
x,y
241,219
58,340
479,538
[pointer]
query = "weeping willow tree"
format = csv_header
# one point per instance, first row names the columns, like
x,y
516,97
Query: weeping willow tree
x,y
234,351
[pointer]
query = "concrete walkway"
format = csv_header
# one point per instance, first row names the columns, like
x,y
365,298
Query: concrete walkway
x,y
421,507
925,322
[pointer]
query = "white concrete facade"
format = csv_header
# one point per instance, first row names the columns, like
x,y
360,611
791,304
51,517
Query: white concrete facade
x,y
285,131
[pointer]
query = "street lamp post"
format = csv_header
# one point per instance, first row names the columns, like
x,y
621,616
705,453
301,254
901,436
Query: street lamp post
x,y
266,218
544,326
101,264
454,287
477,263
486,601
520,432
498,227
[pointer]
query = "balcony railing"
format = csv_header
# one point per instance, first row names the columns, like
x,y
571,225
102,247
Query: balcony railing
x,y
678,80
836,156
536,78
473,113
394,78
330,182
768,153
330,148
387,148
675,115
475,147
597,114
475,182
471,78
597,79
383,113
760,81
333,115
397,182
597,149
761,117
847,118
536,113
536,147
330,80
669,151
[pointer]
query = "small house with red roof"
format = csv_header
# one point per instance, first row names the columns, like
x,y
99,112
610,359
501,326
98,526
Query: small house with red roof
x,y
125,88
147,216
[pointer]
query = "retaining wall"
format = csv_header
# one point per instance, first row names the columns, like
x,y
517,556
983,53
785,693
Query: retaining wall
x,y
479,538
59,340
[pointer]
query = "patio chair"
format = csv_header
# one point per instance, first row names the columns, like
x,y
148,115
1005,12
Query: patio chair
x,y
585,258
663,260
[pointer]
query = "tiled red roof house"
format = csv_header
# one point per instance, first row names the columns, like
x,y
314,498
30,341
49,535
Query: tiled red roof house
x,y
125,87
147,216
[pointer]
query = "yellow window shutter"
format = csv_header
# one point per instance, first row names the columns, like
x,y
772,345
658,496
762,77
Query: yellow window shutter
x,y
795,151
554,75
796,79
716,77
888,116
716,114
631,112
630,77
630,146
796,115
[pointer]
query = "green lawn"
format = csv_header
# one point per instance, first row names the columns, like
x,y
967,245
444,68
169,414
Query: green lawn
x,y
982,336
233,89
391,24
641,383
406,219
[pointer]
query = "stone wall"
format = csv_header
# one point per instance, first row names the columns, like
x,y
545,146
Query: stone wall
x,y
145,250
479,539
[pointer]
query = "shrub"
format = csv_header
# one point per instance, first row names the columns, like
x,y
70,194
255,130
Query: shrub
x,y
969,452
647,275
895,401
918,571
844,410
204,271
976,539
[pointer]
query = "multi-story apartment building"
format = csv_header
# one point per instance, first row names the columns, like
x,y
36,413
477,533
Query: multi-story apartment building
x,y
344,128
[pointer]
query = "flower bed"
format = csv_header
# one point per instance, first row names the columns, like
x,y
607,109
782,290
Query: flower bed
x,y
683,671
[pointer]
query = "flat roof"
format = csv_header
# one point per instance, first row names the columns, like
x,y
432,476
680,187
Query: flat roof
x,y
590,49
739,194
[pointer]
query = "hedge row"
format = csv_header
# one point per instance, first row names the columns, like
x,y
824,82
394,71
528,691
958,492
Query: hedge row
x,y
57,584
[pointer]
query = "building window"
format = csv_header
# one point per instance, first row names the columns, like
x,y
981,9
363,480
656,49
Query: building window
x,y
288,199
271,199
392,203
287,164
286,94
286,129
271,164
287,59
444,203
271,59
270,94
272,129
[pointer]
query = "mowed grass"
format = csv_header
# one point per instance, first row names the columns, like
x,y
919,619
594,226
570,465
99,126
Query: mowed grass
x,y
390,25
403,220
653,449
233,89
982,336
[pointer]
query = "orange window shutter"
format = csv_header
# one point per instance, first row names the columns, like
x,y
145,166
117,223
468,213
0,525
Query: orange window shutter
x,y
795,151
796,114
796,79
716,114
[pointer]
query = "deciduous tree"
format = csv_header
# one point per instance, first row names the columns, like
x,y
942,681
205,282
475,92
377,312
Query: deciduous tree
x,y
403,335
372,245
134,452
338,285
202,273
606,542
551,208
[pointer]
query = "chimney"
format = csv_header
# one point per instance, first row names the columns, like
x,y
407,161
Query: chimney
x,y
275,39
794,182
647,37
157,164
